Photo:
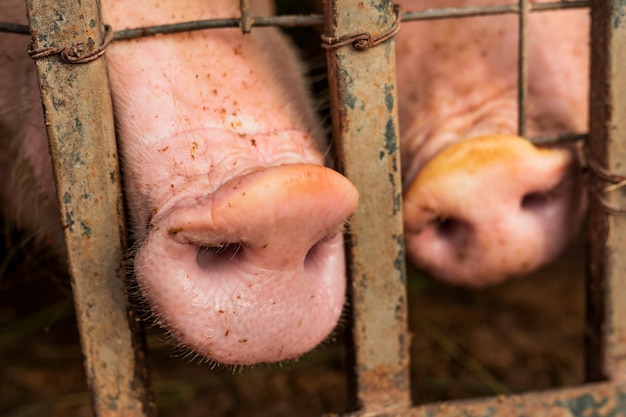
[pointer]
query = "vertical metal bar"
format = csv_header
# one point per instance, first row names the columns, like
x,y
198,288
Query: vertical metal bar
x,y
246,19
79,118
606,234
522,66
365,129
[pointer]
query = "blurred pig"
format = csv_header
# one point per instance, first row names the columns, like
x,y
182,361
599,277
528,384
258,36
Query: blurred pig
x,y
481,204
239,225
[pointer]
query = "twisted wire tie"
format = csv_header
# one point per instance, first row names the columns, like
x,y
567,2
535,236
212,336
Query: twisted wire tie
x,y
75,53
364,40
617,182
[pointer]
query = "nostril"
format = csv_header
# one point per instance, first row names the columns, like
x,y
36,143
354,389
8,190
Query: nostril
x,y
312,254
535,200
316,252
449,227
214,257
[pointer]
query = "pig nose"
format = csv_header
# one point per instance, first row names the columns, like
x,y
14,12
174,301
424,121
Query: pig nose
x,y
490,207
254,272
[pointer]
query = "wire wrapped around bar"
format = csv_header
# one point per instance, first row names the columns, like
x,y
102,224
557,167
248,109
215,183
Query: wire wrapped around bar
x,y
617,181
316,19
363,40
75,53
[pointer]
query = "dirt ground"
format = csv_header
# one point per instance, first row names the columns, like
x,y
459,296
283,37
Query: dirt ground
x,y
523,335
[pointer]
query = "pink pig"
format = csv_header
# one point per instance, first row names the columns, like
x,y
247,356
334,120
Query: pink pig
x,y
481,204
238,223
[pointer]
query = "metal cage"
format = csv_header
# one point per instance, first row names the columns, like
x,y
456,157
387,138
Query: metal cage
x,y
79,115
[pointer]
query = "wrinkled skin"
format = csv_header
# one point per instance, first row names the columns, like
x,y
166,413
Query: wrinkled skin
x,y
479,203
240,250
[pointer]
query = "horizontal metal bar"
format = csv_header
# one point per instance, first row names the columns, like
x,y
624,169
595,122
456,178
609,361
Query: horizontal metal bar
x,y
283,21
14,28
458,12
559,139
316,19
606,399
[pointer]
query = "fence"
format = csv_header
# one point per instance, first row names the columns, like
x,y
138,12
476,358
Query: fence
x,y
116,371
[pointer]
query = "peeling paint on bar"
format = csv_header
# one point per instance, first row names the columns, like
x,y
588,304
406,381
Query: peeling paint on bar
x,y
362,88
79,120
590,400
602,399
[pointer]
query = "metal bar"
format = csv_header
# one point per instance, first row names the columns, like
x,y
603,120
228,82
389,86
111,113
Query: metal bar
x,y
604,399
363,102
246,20
14,28
284,21
600,399
460,12
79,120
589,400
606,234
559,139
315,20
522,66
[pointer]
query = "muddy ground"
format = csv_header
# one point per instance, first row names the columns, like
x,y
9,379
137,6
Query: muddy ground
x,y
523,335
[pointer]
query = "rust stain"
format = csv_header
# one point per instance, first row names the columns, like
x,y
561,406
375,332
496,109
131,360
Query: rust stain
x,y
174,231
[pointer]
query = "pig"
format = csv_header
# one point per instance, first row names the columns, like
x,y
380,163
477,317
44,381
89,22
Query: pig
x,y
480,203
238,222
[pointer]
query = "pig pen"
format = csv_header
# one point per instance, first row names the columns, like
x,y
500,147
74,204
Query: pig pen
x,y
379,357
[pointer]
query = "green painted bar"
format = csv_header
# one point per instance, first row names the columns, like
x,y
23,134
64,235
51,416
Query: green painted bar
x,y
603,399
79,119
365,130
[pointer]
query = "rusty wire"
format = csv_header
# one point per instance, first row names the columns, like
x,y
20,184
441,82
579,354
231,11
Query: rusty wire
x,y
246,22
617,182
314,19
77,53
460,12
363,40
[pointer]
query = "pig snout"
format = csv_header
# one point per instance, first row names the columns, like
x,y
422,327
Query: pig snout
x,y
492,206
252,272
480,208
237,223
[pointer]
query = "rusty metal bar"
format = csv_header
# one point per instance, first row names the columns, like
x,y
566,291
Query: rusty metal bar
x,y
363,98
589,400
246,21
315,19
283,21
79,119
600,399
460,12
606,234
522,66
14,28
